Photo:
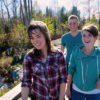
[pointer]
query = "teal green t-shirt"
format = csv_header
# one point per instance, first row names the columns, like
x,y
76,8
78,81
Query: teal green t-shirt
x,y
69,42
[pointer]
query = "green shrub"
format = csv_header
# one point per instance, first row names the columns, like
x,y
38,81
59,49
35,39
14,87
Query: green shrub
x,y
15,83
5,69
2,92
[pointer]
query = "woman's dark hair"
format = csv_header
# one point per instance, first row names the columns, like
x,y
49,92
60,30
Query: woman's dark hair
x,y
44,30
92,29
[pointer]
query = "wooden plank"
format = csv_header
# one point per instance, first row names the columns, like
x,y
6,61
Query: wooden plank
x,y
13,94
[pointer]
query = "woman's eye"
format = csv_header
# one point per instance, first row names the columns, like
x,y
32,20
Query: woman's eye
x,y
38,36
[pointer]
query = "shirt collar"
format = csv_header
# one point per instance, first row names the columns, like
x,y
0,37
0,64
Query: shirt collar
x,y
95,52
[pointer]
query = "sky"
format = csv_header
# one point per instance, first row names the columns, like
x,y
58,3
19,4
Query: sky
x,y
68,4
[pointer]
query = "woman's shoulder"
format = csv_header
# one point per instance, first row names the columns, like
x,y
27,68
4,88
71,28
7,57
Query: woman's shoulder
x,y
57,53
28,54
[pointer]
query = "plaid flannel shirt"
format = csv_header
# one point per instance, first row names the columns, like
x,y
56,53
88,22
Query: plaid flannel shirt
x,y
47,77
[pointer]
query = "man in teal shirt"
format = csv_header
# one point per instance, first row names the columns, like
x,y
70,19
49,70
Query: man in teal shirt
x,y
72,38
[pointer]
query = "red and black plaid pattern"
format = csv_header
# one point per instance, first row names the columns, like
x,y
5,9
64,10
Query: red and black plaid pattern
x,y
46,77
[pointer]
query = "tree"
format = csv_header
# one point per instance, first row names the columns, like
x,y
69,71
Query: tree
x,y
55,25
2,13
22,16
8,13
75,11
48,12
28,11
14,8
62,15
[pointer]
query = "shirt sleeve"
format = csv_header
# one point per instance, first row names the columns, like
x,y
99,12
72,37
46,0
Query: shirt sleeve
x,y
63,69
71,66
63,41
26,81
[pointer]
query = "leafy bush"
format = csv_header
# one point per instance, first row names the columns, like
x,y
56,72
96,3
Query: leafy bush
x,y
19,36
5,69
18,65
15,83
2,92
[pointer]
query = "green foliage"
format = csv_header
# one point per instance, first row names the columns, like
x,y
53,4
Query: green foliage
x,y
92,21
17,65
2,37
49,22
55,25
37,16
18,58
7,29
5,62
62,15
3,41
18,36
34,16
20,66
14,67
5,69
48,12
2,92
15,83
1,30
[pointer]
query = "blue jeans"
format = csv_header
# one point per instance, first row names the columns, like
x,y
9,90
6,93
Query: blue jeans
x,y
80,96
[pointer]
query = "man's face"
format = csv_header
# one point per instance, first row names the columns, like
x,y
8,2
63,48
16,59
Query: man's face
x,y
73,24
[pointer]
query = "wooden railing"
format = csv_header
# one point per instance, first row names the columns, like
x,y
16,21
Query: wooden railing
x,y
13,94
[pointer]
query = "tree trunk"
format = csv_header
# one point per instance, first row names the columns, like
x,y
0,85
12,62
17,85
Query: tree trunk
x,y
26,13
22,16
9,19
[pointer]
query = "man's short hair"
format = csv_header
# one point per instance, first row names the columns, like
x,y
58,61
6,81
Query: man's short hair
x,y
73,17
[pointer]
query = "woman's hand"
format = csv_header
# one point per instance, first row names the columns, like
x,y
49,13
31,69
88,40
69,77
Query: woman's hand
x,y
69,80
98,84
68,93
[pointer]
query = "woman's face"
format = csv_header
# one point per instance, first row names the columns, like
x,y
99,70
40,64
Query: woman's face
x,y
88,39
38,39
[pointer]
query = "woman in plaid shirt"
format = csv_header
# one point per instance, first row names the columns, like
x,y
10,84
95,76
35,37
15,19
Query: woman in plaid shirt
x,y
44,69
